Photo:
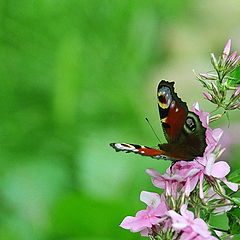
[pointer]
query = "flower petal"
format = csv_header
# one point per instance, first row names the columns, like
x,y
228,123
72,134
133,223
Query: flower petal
x,y
135,224
200,227
185,213
217,133
150,198
179,222
201,194
220,169
152,172
210,161
231,185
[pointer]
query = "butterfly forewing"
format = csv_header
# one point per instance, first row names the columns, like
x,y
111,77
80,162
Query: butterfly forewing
x,y
173,111
139,149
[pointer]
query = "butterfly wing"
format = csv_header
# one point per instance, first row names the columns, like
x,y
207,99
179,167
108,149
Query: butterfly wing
x,y
167,151
182,128
173,111
139,149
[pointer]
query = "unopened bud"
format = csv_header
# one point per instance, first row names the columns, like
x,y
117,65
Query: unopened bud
x,y
215,90
207,76
207,95
232,56
214,60
234,106
226,49
235,63
235,94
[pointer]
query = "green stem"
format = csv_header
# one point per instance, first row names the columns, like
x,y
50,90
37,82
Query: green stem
x,y
219,205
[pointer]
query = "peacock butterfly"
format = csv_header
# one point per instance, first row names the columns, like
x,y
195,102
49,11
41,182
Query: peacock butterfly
x,y
182,128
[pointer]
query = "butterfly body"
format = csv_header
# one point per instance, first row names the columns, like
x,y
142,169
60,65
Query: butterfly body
x,y
182,128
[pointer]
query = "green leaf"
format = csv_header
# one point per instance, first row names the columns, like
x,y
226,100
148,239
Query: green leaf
x,y
234,176
236,200
234,77
236,237
234,220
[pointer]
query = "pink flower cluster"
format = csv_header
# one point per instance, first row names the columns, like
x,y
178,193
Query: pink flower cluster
x,y
185,176
191,228
144,220
178,183
157,216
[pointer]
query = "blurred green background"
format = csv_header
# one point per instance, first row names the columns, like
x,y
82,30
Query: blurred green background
x,y
79,74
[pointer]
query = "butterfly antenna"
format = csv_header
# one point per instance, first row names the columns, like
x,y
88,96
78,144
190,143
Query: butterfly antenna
x,y
152,129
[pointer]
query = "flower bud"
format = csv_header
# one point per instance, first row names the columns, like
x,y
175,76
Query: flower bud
x,y
215,90
226,49
234,106
207,76
207,95
232,56
235,94
236,61
214,60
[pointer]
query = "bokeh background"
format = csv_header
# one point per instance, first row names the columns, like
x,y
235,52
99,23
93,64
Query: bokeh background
x,y
79,74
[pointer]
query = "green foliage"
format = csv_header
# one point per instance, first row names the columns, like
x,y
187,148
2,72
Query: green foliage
x,y
234,220
234,79
234,176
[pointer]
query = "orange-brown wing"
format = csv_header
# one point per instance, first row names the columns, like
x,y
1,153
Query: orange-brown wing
x,y
140,149
173,111
167,151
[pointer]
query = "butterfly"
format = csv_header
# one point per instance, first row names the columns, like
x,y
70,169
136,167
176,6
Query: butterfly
x,y
183,130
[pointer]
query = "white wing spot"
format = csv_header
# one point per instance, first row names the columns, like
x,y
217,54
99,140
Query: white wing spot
x,y
142,152
120,146
176,110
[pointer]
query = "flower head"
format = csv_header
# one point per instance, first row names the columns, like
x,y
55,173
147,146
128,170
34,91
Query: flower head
x,y
144,219
191,228
184,176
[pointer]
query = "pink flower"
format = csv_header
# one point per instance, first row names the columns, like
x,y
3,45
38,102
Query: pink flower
x,y
212,136
226,49
144,219
191,228
184,176
219,169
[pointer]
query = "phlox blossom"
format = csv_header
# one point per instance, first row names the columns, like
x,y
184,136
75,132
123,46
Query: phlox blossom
x,y
146,219
192,229
185,175
219,169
